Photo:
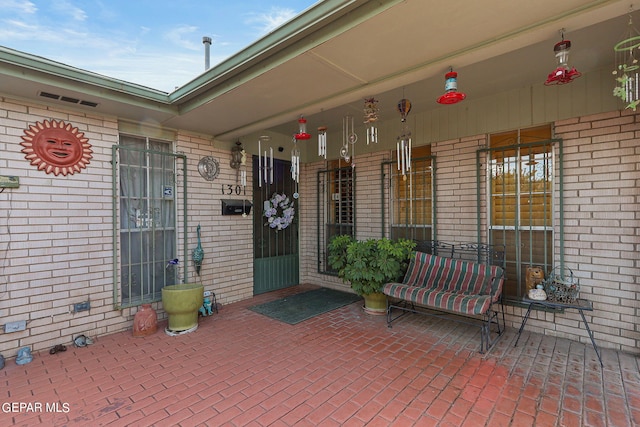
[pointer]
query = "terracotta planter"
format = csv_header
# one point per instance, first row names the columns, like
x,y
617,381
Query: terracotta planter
x,y
145,322
375,304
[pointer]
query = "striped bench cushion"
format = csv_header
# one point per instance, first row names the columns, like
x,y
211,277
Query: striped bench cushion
x,y
453,301
447,283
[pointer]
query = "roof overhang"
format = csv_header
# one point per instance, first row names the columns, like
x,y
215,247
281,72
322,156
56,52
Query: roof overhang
x,y
326,60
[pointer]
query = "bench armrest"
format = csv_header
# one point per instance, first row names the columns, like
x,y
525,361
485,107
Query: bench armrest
x,y
496,284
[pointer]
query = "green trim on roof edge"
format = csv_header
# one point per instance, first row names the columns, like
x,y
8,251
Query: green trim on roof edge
x,y
313,27
323,20
60,70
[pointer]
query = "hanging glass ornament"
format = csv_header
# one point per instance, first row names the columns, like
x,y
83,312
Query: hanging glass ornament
x,y
627,69
404,107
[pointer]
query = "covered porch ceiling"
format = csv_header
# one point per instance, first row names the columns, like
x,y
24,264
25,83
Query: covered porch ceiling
x,y
396,49
324,62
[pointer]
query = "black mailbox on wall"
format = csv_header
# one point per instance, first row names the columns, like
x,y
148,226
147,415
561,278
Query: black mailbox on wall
x,y
235,207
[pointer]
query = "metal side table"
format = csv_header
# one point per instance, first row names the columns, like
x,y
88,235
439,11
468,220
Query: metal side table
x,y
581,305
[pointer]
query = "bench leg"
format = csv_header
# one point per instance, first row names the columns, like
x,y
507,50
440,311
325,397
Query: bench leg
x,y
404,309
492,317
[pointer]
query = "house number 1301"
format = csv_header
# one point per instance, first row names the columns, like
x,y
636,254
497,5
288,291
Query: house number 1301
x,y
228,189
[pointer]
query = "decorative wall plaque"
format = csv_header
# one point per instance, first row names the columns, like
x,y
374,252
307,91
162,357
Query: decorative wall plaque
x,y
56,147
209,168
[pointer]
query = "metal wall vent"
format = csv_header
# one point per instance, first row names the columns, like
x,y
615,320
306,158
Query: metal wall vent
x,y
68,99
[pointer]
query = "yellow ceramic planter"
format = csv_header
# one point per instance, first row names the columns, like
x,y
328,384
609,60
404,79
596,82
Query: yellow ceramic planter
x,y
181,302
375,303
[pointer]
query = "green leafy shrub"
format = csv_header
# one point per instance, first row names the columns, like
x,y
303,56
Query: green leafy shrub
x,y
368,264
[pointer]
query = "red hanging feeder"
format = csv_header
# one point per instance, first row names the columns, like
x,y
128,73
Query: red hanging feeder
x,y
302,132
451,95
562,74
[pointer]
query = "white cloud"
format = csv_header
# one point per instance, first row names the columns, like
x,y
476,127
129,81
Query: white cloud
x,y
18,6
69,9
184,36
266,22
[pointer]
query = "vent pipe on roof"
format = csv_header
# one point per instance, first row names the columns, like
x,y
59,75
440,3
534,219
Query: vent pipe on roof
x,y
207,55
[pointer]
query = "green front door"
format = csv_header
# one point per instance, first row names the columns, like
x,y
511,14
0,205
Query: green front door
x,y
276,262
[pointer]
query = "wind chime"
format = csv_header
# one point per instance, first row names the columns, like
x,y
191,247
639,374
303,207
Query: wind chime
x,y
349,137
627,69
370,119
302,135
403,145
265,163
322,141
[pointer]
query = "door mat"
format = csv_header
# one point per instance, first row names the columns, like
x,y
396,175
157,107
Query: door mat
x,y
296,308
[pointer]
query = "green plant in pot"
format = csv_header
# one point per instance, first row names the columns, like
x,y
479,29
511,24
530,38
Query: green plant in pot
x,y
368,264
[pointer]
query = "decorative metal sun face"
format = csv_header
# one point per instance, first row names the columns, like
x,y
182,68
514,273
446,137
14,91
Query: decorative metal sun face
x,y
56,147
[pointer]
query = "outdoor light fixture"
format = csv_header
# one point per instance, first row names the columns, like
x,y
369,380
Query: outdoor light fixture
x,y
370,119
627,69
563,74
265,164
239,162
451,94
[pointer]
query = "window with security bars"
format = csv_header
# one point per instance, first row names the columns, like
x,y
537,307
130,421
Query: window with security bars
x,y
410,197
521,182
336,208
147,241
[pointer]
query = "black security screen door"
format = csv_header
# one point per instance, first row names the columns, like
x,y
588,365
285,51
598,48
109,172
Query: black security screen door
x,y
276,260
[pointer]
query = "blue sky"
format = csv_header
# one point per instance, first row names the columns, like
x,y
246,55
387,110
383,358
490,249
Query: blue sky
x,y
155,43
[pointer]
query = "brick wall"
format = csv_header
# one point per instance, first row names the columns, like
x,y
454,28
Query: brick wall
x,y
602,229
456,189
56,233
227,241
55,236
601,161
369,195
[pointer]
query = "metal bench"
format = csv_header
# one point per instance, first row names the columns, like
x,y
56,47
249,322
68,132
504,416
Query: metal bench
x,y
462,282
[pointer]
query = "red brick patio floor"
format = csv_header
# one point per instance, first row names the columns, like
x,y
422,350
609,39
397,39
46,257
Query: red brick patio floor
x,y
342,368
